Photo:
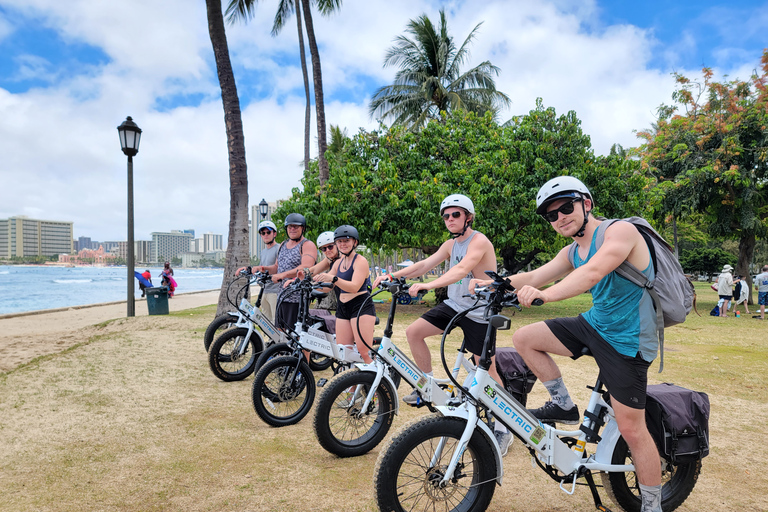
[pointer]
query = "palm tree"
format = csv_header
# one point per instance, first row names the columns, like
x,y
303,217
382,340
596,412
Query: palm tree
x,y
237,248
430,79
244,9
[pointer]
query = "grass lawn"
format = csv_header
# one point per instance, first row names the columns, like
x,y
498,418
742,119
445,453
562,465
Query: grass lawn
x,y
132,419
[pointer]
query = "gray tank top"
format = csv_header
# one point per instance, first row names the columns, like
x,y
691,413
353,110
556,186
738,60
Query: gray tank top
x,y
457,290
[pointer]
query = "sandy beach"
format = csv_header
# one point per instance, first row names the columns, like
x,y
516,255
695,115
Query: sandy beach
x,y
25,336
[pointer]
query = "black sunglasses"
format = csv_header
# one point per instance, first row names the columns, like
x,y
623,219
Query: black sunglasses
x,y
326,248
265,231
565,209
455,215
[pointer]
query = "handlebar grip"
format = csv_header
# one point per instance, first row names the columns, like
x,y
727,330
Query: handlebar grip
x,y
537,302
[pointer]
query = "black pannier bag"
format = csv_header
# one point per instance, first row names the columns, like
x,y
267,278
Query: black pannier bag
x,y
678,420
518,380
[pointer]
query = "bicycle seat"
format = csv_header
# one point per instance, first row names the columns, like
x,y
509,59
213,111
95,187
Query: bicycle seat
x,y
316,294
586,352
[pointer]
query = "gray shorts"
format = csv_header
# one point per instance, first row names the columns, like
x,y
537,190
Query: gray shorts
x,y
625,377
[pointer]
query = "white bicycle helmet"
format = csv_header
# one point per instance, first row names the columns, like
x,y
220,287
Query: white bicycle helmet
x,y
459,201
325,238
558,188
267,224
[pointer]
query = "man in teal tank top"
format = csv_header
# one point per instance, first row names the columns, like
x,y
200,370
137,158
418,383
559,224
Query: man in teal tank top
x,y
619,330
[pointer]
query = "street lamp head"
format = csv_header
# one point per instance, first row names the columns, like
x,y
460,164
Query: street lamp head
x,y
263,208
130,135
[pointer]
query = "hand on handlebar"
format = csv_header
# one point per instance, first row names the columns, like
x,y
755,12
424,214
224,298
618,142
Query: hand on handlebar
x,y
478,283
380,279
528,296
415,288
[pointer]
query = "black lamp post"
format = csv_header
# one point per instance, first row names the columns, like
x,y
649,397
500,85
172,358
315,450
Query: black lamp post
x,y
263,208
130,135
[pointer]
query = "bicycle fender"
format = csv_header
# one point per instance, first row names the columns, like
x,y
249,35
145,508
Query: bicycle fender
x,y
370,367
462,413
610,436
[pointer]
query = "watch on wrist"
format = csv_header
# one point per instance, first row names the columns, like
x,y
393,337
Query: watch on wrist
x,y
335,278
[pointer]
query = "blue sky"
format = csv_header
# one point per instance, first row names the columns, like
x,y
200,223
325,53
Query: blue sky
x,y
69,74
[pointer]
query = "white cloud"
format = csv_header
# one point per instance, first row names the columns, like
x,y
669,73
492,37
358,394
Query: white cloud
x,y
61,158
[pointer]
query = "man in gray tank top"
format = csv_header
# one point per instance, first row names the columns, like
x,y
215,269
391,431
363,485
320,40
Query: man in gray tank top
x,y
268,233
469,254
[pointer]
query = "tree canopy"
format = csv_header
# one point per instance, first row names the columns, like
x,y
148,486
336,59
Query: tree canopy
x,y
389,183
712,157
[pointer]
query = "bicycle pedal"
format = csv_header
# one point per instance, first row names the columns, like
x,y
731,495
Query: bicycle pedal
x,y
322,382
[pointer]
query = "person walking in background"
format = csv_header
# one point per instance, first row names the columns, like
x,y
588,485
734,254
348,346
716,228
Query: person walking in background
x,y
740,294
166,276
148,276
724,288
268,233
761,285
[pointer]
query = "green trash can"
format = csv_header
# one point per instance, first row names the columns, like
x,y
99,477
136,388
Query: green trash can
x,y
157,300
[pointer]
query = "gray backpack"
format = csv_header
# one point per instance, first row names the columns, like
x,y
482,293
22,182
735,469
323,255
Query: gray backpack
x,y
672,292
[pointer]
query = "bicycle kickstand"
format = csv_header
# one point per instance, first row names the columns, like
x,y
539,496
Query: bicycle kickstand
x,y
595,496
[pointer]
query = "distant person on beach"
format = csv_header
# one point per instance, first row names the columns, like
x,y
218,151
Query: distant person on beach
x,y
148,276
740,294
167,279
724,290
761,285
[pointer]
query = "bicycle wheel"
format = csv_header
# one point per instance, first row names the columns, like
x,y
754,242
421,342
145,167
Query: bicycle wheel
x,y
319,362
409,470
341,426
220,324
273,351
283,391
677,481
231,367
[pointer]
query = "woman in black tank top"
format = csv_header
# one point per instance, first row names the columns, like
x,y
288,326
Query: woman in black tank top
x,y
352,285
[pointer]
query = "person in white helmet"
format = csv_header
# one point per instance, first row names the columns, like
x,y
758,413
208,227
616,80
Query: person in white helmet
x,y
327,247
268,232
469,254
619,330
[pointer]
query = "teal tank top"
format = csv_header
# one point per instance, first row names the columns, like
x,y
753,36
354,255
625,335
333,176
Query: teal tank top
x,y
622,312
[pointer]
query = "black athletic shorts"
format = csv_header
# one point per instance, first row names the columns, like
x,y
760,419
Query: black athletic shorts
x,y
474,332
287,314
625,377
349,310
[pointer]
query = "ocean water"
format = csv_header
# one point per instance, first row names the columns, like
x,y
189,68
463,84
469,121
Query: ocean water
x,y
31,288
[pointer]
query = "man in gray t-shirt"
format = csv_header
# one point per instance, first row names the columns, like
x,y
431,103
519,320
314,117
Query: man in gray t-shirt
x,y
761,285
268,233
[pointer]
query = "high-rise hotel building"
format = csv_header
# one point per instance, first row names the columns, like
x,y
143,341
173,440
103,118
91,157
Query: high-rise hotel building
x,y
22,236
166,246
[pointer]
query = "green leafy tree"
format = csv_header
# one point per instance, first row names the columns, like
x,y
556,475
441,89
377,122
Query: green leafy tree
x,y
430,79
237,248
706,260
712,158
389,183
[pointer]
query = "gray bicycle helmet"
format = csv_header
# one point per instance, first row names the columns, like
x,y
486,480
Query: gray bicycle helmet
x,y
295,219
346,231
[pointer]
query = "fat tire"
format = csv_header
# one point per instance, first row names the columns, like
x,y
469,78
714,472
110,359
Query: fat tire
x,y
319,362
337,427
220,355
677,482
220,324
278,403
415,444
274,351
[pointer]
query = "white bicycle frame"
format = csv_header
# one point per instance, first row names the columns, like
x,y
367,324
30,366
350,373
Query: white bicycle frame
x,y
253,318
545,440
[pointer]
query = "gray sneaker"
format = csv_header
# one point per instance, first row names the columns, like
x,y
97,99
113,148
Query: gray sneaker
x,y
504,439
414,398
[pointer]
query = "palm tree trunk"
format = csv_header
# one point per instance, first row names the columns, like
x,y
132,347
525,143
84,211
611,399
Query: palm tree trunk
x,y
237,247
307,110
317,77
